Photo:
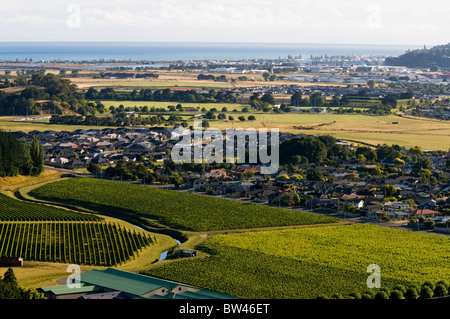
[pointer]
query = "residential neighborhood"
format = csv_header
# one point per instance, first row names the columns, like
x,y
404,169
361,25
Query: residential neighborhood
x,y
379,191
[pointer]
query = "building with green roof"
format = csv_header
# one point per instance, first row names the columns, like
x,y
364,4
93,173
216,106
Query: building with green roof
x,y
118,284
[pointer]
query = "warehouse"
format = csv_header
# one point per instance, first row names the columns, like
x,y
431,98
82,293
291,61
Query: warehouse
x,y
118,284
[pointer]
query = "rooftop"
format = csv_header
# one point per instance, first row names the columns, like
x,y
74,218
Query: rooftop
x,y
95,283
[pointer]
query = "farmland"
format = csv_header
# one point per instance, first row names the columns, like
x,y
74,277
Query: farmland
x,y
429,134
84,83
38,232
312,262
175,209
158,104
15,210
90,243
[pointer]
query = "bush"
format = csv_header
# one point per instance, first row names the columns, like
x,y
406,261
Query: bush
x,y
428,284
367,295
426,292
400,287
355,295
445,283
337,296
396,294
381,295
411,293
440,290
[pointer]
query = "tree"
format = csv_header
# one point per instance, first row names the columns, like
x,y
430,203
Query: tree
x,y
416,151
10,278
268,98
371,84
425,175
314,175
390,100
37,157
94,168
368,153
385,151
251,118
389,190
310,147
296,99
399,161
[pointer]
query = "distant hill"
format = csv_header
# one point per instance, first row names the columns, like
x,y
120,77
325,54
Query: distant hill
x,y
425,58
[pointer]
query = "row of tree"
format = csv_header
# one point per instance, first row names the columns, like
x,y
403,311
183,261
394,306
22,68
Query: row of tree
x,y
166,95
220,78
18,157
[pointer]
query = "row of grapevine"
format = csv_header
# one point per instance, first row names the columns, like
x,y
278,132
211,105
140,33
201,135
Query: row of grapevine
x,y
309,262
88,243
176,209
16,210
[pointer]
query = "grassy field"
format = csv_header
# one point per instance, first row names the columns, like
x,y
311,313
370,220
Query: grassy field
x,y
156,104
409,132
14,183
175,209
429,134
312,261
84,83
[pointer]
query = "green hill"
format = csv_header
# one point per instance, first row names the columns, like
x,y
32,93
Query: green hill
x,y
438,56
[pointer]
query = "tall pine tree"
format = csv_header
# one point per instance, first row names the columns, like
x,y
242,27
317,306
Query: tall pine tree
x,y
37,157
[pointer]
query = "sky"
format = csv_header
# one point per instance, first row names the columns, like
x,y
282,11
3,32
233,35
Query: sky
x,y
264,21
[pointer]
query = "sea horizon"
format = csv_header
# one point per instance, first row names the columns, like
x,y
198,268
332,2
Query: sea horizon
x,y
78,51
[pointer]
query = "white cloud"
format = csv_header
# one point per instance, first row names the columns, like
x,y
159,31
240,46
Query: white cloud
x,y
232,20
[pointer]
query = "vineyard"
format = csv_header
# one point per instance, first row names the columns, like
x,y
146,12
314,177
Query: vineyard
x,y
45,233
84,243
172,208
312,262
14,210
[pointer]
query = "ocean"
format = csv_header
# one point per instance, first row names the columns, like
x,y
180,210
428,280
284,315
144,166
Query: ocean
x,y
155,52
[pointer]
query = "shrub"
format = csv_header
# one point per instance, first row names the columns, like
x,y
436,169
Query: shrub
x,y
445,283
411,293
381,295
355,295
367,295
428,284
426,292
337,296
440,290
396,294
400,287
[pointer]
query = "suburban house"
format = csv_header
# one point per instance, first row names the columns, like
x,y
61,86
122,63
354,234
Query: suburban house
x,y
396,206
424,212
118,284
